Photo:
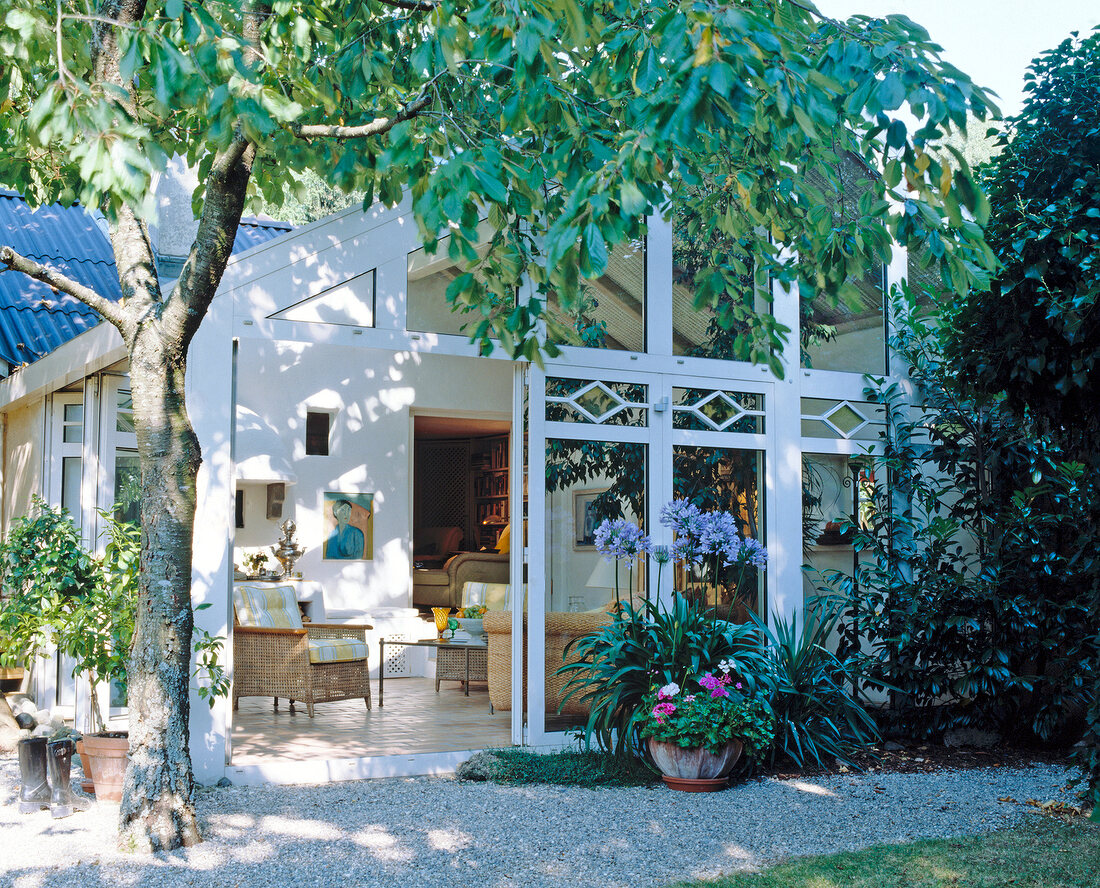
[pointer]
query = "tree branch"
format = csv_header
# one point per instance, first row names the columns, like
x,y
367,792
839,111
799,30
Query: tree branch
x,y
223,206
376,127
62,284
416,5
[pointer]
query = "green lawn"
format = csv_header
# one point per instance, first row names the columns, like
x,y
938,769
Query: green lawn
x,y
1044,853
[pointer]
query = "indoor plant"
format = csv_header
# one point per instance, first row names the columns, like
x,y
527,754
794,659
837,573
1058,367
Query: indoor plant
x,y
697,731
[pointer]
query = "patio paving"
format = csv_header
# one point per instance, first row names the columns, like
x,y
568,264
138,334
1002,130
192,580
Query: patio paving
x,y
415,720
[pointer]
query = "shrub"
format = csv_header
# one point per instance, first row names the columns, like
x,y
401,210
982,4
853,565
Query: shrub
x,y
58,595
817,718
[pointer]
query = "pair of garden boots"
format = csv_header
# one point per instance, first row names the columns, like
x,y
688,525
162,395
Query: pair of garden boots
x,y
39,760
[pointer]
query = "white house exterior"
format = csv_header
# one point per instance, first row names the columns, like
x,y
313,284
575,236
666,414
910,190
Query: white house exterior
x,y
323,320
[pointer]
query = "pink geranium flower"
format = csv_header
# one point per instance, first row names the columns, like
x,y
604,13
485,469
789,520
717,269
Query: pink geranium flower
x,y
663,709
709,682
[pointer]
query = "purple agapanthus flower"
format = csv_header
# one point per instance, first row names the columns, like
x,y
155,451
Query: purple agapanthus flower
x,y
754,553
620,538
700,536
720,536
685,551
681,516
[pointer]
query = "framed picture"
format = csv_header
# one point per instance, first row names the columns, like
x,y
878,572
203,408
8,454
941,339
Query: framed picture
x,y
584,518
349,526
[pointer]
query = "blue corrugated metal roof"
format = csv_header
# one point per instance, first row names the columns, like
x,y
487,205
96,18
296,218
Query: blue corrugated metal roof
x,y
253,231
34,320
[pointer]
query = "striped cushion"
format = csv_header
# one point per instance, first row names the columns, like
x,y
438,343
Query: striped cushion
x,y
336,650
267,607
495,596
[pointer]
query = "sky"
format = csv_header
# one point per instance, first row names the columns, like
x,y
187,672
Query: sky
x,y
993,41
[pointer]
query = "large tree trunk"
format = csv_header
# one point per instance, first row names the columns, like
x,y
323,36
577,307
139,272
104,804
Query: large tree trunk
x,y
157,804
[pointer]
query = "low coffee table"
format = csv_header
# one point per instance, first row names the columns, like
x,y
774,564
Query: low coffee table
x,y
456,661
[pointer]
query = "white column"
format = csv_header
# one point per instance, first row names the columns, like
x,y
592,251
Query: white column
x,y
210,405
785,470
658,297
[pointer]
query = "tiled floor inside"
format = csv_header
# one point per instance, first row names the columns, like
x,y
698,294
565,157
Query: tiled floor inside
x,y
415,719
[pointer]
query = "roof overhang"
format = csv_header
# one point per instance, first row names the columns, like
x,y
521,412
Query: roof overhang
x,y
91,351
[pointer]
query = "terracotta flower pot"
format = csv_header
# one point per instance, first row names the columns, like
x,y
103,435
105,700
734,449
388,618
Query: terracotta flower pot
x,y
694,769
108,756
86,784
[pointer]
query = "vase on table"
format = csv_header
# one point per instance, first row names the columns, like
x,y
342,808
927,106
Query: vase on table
x,y
442,616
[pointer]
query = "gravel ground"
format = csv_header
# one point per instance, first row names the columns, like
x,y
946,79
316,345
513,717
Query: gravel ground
x,y
438,831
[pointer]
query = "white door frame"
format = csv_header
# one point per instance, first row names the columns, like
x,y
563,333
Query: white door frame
x,y
659,436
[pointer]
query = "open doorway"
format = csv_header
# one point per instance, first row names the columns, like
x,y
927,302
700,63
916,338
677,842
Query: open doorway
x,y
460,508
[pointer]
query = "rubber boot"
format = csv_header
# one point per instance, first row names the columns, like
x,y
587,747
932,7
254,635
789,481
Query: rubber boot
x,y
34,795
59,760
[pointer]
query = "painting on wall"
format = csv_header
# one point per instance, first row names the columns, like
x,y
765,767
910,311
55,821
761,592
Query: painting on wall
x,y
584,518
349,526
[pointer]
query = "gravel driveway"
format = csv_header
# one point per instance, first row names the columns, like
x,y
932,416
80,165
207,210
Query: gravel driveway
x,y
438,831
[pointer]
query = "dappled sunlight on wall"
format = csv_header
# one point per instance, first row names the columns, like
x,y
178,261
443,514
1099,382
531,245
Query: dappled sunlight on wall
x,y
370,394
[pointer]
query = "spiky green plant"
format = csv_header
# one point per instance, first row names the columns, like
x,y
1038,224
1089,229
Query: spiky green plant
x,y
817,718
643,648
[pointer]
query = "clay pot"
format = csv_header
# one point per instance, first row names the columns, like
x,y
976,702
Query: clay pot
x,y
108,755
694,769
86,784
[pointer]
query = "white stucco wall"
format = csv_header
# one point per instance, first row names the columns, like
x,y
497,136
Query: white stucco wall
x,y
371,394
23,455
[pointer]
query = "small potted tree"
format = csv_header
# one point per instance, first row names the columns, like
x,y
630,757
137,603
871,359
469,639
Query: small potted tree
x,y
58,596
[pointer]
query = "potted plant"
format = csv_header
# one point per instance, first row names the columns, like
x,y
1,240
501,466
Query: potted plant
x,y
104,629
657,641
57,595
696,731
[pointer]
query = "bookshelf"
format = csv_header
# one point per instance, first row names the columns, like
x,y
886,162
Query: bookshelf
x,y
489,476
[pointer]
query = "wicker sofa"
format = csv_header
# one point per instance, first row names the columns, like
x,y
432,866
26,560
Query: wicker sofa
x,y
443,588
561,629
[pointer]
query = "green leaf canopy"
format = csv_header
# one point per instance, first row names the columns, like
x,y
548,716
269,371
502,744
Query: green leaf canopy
x,y
564,123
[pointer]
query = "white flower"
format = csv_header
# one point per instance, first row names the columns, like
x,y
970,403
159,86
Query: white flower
x,y
725,666
669,690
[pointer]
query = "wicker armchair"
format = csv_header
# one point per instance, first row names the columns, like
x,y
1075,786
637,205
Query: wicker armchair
x,y
561,629
318,663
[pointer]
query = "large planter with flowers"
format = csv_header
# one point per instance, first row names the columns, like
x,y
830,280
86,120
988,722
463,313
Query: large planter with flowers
x,y
695,734
654,640
694,768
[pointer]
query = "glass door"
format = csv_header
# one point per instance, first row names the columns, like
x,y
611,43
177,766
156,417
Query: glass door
x,y
620,445
593,434
720,463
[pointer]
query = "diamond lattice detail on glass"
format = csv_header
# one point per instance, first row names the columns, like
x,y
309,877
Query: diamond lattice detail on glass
x,y
845,419
597,402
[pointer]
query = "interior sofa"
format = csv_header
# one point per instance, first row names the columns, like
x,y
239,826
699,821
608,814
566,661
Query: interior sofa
x,y
443,587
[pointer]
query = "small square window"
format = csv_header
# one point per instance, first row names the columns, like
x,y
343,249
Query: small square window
x,y
317,428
